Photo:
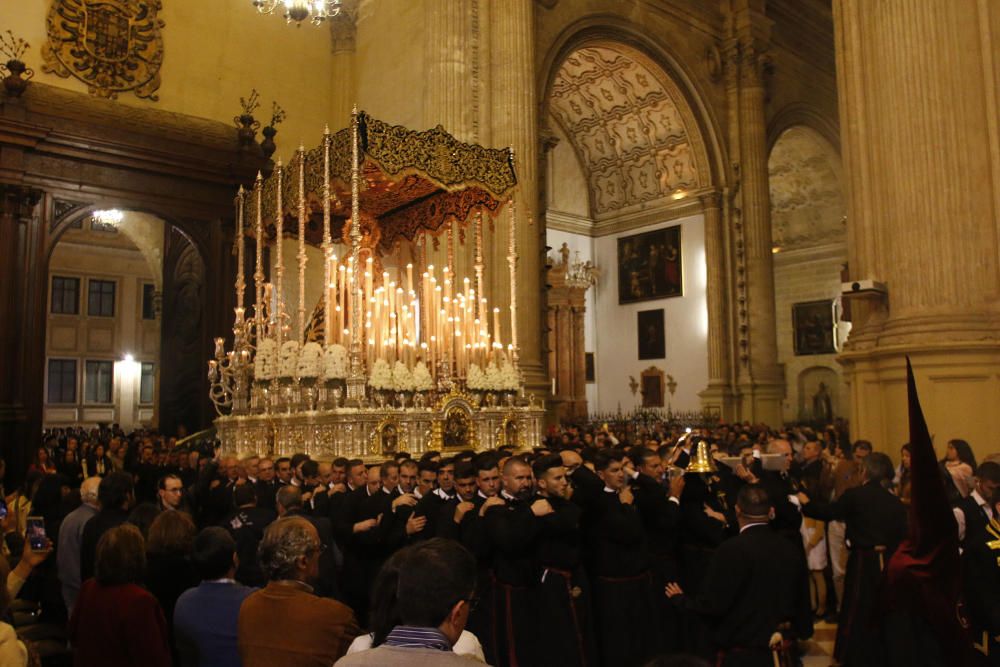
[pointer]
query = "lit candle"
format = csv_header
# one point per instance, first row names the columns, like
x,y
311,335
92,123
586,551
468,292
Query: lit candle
x,y
409,278
219,348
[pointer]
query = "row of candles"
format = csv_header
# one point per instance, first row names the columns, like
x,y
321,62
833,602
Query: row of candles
x,y
444,323
439,320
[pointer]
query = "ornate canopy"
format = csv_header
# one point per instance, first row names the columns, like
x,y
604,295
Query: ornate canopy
x,y
412,182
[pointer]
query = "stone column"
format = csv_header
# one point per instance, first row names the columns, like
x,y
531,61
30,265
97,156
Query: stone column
x,y
760,380
718,397
919,110
515,124
579,356
343,39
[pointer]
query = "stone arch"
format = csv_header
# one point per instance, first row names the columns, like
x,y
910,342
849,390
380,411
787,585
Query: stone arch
x,y
805,178
808,116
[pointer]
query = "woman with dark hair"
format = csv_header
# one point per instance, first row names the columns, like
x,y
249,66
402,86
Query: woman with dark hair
x,y
169,570
42,462
116,622
97,462
902,479
960,463
71,469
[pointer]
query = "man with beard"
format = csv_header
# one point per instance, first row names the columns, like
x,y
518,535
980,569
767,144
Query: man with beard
x,y
562,590
624,608
512,529
660,511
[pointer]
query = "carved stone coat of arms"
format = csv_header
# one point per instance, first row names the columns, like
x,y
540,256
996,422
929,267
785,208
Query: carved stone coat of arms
x,y
111,45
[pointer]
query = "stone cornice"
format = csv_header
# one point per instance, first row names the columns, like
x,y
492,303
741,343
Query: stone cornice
x,y
569,222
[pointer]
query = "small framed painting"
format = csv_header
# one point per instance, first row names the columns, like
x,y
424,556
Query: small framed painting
x,y
652,344
813,329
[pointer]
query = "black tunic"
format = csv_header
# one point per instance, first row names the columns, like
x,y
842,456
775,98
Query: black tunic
x,y
562,590
981,589
756,582
876,524
624,608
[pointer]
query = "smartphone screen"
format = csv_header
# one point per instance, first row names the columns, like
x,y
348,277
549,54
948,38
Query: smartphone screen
x,y
36,533
3,509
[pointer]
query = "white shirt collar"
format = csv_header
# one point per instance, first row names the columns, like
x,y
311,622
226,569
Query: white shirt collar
x,y
507,496
982,502
751,525
608,489
441,493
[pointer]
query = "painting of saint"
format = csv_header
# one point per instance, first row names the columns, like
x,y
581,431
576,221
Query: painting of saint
x,y
651,339
649,266
812,325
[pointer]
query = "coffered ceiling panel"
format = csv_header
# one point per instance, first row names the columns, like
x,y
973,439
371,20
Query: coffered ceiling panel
x,y
630,126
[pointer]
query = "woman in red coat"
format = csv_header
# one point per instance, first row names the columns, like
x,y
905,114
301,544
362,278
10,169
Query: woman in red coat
x,y
116,622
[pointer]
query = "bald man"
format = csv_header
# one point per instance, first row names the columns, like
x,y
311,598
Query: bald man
x,y
70,536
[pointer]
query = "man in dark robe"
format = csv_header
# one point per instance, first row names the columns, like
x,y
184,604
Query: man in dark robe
x,y
624,607
562,590
660,511
756,586
512,529
876,524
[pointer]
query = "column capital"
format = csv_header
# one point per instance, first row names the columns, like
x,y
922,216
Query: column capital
x,y
710,200
19,201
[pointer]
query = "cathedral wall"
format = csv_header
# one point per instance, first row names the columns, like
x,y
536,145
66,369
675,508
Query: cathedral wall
x,y
802,276
214,54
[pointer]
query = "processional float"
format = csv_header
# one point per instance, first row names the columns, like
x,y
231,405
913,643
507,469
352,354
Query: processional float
x,y
394,357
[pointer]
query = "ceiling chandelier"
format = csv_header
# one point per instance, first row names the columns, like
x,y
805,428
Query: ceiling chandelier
x,y
297,11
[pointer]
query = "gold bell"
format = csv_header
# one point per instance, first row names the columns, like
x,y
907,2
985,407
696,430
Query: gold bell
x,y
702,460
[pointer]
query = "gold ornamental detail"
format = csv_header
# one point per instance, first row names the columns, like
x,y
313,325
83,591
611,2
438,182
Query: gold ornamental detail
x,y
113,46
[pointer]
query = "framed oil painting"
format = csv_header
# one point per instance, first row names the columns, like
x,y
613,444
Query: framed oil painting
x,y
652,388
651,339
649,266
812,327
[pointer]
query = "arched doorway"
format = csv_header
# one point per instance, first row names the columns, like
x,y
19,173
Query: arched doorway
x,y
124,322
626,166
808,228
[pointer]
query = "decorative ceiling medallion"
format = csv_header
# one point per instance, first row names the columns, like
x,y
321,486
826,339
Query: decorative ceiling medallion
x,y
113,46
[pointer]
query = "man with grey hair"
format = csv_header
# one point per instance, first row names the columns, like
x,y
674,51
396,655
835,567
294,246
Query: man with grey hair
x,y
286,623
70,536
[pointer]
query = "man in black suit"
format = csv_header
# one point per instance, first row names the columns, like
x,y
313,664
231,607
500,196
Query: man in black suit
x,y
756,586
981,586
974,512
267,485
876,524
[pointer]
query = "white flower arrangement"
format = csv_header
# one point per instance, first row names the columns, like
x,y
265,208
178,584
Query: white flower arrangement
x,y
381,375
288,359
310,360
422,380
474,378
335,362
492,382
402,379
265,360
510,379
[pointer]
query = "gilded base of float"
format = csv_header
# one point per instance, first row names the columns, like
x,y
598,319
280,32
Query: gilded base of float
x,y
454,423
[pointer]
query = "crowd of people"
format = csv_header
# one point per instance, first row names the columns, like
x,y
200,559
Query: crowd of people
x,y
627,544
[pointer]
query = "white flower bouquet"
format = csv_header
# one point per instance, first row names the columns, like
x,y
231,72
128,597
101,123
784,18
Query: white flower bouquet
x,y
422,380
288,359
381,375
335,362
402,379
310,360
265,360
